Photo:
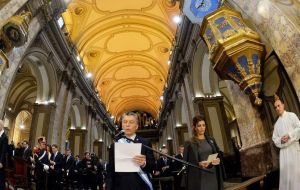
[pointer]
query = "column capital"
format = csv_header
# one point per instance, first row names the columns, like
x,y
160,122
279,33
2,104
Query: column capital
x,y
44,106
208,99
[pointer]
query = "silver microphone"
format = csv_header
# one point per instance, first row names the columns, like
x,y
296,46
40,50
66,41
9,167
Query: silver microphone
x,y
182,169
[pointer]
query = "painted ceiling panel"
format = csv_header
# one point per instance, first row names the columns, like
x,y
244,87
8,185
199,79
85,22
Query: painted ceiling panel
x,y
126,45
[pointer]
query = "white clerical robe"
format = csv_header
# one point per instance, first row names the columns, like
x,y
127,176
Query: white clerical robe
x,y
288,123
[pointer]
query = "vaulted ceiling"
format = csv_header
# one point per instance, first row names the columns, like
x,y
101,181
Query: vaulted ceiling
x,y
126,45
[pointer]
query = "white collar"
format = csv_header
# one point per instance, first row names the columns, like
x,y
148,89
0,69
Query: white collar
x,y
132,137
1,132
284,112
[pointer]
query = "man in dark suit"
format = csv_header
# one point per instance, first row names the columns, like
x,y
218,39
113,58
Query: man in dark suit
x,y
177,166
56,163
76,175
68,167
165,170
88,172
27,153
3,152
131,180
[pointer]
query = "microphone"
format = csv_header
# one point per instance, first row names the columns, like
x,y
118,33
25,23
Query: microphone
x,y
182,169
119,134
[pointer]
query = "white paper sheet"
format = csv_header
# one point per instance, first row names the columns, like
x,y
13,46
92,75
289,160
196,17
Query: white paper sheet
x,y
124,154
212,157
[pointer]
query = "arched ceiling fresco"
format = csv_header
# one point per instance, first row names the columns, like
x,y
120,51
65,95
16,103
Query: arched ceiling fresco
x,y
126,46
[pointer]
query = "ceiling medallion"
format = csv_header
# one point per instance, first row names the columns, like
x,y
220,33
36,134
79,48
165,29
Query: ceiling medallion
x,y
79,11
94,54
163,49
106,82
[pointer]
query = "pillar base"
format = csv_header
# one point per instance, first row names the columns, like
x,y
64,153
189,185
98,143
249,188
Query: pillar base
x,y
259,159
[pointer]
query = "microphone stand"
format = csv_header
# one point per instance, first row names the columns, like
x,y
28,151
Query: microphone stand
x,y
171,157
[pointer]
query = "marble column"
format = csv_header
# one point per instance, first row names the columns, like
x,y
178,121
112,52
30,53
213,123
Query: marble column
x,y
77,141
170,146
54,134
187,100
257,154
62,129
90,123
97,148
173,134
9,119
105,144
41,118
92,137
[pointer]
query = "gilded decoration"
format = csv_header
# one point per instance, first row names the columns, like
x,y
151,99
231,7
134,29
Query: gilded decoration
x,y
14,33
276,20
16,29
235,50
126,46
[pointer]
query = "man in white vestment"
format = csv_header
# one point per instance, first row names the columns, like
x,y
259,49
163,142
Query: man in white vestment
x,y
285,136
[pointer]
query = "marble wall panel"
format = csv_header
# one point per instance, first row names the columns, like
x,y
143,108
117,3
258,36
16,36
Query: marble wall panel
x,y
248,117
258,160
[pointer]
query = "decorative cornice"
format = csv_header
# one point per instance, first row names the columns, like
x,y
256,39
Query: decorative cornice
x,y
67,53
177,71
202,99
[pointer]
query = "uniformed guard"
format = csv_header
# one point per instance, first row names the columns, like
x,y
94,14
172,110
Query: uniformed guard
x,y
41,164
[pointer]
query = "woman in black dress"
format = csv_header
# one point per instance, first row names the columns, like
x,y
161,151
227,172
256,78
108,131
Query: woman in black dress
x,y
196,151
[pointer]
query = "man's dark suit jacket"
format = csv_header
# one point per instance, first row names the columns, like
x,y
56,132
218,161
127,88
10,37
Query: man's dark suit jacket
x,y
69,163
58,161
161,163
3,148
26,155
130,180
177,166
3,152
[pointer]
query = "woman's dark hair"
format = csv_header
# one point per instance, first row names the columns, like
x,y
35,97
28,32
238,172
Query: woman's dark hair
x,y
198,118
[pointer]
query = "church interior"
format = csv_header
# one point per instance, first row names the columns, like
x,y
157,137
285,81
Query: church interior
x,y
69,70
